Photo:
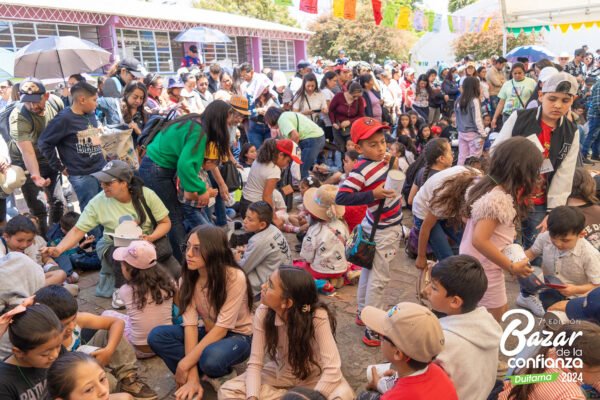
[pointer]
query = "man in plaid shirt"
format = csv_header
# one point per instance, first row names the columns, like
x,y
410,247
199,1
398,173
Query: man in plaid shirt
x,y
592,140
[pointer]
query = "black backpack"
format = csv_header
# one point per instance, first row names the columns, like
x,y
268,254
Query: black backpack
x,y
154,124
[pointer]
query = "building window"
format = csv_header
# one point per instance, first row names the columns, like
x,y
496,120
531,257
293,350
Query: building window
x,y
213,52
278,54
15,35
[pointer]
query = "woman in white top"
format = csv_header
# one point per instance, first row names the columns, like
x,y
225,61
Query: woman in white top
x,y
190,96
226,89
328,82
309,100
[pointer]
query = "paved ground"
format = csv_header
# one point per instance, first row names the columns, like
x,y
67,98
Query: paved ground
x,y
355,355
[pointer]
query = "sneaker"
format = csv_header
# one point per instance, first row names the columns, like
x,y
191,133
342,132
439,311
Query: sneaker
x,y
595,158
117,303
216,383
587,161
337,282
134,386
532,303
357,320
371,338
74,278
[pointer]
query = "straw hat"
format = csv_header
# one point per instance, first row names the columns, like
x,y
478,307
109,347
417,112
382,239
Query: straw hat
x,y
320,202
13,179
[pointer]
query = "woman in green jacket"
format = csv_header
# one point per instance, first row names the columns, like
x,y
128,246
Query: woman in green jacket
x,y
178,150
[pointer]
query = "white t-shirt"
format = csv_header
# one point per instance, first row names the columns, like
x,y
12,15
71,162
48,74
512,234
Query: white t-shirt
x,y
420,205
259,173
328,94
33,251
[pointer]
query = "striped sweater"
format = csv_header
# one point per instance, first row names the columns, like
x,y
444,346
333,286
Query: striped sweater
x,y
358,189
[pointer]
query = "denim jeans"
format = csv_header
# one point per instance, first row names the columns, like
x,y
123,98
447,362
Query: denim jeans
x,y
162,182
528,234
168,342
194,216
438,239
550,296
64,262
310,150
592,140
219,208
258,133
86,187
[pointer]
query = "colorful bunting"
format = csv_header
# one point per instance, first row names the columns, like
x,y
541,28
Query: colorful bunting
x,y
403,18
450,23
437,23
377,11
486,24
309,6
564,27
389,14
286,3
338,8
350,9
429,19
418,20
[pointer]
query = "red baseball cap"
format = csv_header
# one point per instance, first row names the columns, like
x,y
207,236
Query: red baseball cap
x,y
341,67
365,127
286,146
436,130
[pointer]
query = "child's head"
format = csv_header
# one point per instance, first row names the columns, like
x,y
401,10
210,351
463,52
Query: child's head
x,y
258,217
584,186
586,345
368,135
397,149
19,233
279,152
77,376
291,294
34,219
248,153
62,303
414,118
36,336
487,120
309,182
68,221
424,132
405,121
411,334
438,151
474,162
565,225
350,158
350,145
457,284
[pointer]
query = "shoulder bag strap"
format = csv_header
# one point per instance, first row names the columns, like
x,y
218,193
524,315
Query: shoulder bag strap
x,y
148,211
517,93
377,215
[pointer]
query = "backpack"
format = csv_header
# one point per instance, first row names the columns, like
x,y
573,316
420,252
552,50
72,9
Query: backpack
x,y
412,244
154,124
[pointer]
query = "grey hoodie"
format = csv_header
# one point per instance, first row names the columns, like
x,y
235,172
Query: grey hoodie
x,y
470,355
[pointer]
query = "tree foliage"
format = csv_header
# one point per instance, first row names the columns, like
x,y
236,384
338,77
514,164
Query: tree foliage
x,y
454,5
359,38
483,45
263,9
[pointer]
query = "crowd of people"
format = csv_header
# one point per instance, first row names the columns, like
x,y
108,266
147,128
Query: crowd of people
x,y
478,170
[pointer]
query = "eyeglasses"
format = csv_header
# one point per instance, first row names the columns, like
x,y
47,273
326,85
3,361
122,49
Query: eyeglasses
x,y
195,248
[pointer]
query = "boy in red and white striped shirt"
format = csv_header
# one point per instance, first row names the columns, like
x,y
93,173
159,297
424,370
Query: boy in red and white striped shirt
x,y
364,185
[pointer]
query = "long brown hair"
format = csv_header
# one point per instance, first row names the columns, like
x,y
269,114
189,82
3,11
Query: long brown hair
x,y
515,166
128,91
299,286
154,281
215,251
584,186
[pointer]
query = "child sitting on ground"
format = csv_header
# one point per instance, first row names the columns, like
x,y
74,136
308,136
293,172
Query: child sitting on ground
x,y
35,334
583,196
566,255
266,250
83,256
148,294
470,355
324,246
19,236
78,376
412,339
114,351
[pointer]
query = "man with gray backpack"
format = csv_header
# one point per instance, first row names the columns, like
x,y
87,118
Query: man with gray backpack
x,y
27,120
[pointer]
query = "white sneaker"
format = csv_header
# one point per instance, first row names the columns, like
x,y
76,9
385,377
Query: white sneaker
x,y
532,303
117,303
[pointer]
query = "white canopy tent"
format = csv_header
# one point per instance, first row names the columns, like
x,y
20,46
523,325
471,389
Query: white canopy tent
x,y
520,13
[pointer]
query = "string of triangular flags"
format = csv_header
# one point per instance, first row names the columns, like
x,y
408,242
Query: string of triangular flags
x,y
563,27
399,16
